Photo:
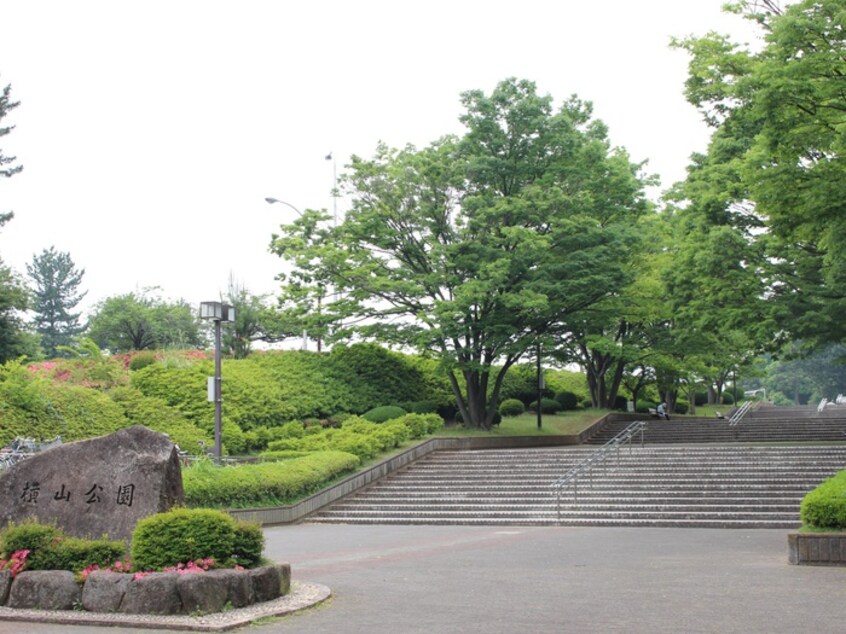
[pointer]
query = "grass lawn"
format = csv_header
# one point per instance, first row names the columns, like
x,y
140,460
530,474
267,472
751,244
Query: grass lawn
x,y
565,423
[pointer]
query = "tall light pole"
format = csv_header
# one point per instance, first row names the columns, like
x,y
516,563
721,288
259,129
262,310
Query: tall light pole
x,y
217,312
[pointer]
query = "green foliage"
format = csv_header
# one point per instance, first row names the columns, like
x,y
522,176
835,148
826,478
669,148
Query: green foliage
x,y
383,413
33,536
548,406
511,407
825,506
142,321
567,400
50,549
249,544
142,360
182,535
77,554
420,425
643,407
681,407
156,414
206,484
55,292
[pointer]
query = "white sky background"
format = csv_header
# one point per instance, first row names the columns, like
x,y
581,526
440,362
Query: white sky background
x,y
150,132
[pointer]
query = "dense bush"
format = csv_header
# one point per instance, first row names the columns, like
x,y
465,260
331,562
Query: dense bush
x,y
249,544
269,482
548,406
728,398
142,360
681,407
383,413
825,506
511,407
621,404
154,413
568,400
643,407
182,535
700,398
50,549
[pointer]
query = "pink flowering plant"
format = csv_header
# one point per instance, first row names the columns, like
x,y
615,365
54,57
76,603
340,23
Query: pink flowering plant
x,y
15,563
121,565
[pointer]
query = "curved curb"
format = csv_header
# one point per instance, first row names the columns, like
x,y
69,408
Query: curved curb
x,y
302,595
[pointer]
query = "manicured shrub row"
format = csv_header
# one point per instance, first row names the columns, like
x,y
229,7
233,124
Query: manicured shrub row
x,y
50,549
243,485
359,437
165,540
825,506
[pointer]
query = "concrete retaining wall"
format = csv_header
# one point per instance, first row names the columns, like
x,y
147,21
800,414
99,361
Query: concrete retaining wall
x,y
817,549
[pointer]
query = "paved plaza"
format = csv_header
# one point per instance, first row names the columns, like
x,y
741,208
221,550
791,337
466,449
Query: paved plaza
x,y
441,579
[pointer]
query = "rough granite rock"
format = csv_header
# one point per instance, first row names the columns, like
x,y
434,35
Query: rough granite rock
x,y
6,584
270,582
96,487
202,593
104,590
239,586
45,590
153,594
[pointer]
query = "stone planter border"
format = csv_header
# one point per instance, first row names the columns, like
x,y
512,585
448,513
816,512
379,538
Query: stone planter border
x,y
160,593
816,549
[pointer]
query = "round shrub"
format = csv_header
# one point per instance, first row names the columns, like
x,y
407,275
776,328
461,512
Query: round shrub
x,y
568,400
825,506
587,403
700,398
548,406
182,535
420,407
620,403
643,407
511,407
681,407
728,398
383,413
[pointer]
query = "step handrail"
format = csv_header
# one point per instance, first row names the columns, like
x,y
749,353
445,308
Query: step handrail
x,y
740,413
599,456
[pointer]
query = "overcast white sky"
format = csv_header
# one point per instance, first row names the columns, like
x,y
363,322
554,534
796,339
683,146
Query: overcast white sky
x,y
150,132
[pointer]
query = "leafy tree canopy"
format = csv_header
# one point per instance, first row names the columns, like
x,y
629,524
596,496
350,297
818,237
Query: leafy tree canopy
x,y
140,321
476,246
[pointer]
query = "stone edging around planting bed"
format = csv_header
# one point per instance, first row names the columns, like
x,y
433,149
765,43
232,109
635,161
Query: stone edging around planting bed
x,y
302,595
817,549
158,593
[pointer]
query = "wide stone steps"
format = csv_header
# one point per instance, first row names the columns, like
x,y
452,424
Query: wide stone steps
x,y
702,486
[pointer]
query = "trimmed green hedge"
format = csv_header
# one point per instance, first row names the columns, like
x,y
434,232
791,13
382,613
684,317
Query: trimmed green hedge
x,y
511,407
269,482
50,549
825,506
383,413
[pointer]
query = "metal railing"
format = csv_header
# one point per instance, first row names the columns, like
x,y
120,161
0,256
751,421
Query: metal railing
x,y
597,458
21,448
740,413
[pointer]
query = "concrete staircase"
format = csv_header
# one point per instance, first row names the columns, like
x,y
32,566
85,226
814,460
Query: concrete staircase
x,y
655,485
756,427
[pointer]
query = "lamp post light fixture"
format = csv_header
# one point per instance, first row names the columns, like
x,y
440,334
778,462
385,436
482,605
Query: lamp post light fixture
x,y
218,312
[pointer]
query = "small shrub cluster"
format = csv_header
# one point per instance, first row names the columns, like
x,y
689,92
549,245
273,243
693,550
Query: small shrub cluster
x,y
48,548
168,540
567,400
358,436
511,407
383,413
548,406
825,506
245,485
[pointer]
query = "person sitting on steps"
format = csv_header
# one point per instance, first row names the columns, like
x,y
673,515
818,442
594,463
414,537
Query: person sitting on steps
x,y
661,410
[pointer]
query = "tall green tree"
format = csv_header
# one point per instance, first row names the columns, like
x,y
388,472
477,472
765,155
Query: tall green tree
x,y
255,321
476,247
777,152
141,321
55,293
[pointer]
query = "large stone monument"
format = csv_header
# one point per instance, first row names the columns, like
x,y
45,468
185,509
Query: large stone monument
x,y
96,487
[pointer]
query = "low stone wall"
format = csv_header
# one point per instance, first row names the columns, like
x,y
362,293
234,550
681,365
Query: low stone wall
x,y
156,593
817,549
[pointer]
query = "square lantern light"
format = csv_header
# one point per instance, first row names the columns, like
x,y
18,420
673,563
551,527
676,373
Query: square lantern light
x,y
211,310
228,312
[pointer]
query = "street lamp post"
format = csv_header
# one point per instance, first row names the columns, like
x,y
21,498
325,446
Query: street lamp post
x,y
217,312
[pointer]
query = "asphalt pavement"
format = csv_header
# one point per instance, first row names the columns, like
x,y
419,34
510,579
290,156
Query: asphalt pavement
x,y
492,579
